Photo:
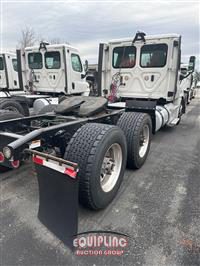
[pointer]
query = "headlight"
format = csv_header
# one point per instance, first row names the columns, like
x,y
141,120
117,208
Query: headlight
x,y
7,152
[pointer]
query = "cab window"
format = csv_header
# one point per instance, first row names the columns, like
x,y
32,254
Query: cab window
x,y
14,63
52,60
124,57
1,63
76,63
153,55
35,60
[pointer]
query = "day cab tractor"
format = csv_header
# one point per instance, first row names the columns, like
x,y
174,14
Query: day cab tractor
x,y
194,84
187,81
82,148
43,74
8,72
9,85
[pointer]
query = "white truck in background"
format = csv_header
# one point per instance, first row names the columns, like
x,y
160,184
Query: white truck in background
x,y
8,72
194,84
52,69
9,85
187,81
44,74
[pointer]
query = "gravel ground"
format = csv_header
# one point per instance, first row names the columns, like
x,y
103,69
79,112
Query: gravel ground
x,y
157,206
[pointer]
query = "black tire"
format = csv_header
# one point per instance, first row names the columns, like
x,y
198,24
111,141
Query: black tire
x,y
12,106
88,147
132,124
6,115
183,104
48,109
181,110
186,96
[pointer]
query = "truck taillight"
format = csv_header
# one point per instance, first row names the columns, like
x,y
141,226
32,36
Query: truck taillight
x,y
1,157
37,160
15,164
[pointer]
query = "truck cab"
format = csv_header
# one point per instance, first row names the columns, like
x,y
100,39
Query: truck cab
x,y
142,73
8,72
52,69
148,67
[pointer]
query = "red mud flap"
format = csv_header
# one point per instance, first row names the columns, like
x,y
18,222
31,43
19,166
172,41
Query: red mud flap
x,y
58,193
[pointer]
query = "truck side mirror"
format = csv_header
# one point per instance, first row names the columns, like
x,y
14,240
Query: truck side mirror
x,y
86,66
191,66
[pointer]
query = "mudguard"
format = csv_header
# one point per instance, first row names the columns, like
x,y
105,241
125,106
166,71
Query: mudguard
x,y
58,198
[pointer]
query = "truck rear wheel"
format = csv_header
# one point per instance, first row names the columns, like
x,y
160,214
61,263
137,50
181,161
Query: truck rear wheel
x,y
137,128
186,96
100,151
12,106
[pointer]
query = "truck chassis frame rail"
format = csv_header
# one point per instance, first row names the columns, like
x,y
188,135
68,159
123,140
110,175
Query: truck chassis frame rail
x,y
22,142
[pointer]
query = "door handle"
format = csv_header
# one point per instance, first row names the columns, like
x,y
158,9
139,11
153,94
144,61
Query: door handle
x,y
73,85
152,78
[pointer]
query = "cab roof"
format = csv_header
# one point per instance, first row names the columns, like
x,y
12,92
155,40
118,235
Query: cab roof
x,y
147,37
52,46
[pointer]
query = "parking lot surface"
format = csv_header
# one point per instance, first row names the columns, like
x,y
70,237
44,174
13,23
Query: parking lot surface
x,y
157,206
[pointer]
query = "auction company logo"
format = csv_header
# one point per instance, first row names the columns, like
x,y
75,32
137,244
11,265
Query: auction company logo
x,y
101,244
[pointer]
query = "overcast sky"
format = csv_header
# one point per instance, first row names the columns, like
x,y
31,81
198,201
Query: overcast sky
x,y
86,23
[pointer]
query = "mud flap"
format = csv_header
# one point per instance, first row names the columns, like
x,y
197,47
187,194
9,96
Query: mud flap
x,y
58,201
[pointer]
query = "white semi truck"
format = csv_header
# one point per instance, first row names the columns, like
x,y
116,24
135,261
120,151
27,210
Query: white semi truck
x,y
53,70
9,85
82,148
43,72
8,72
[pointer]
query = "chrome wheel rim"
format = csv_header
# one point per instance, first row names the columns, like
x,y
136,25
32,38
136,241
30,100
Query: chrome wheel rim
x,y
111,167
144,141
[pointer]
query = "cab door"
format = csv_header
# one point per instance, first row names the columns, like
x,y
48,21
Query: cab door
x,y
76,81
174,58
46,69
143,68
13,73
54,70
124,68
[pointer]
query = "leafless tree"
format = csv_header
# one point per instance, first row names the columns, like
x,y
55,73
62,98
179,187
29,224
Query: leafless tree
x,y
28,37
57,41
